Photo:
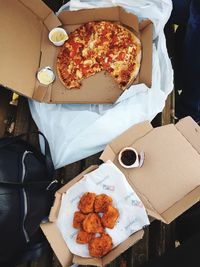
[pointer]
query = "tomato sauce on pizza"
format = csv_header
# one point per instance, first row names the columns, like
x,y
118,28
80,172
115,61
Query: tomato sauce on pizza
x,y
99,46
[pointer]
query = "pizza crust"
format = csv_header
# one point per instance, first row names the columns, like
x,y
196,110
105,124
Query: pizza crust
x,y
138,59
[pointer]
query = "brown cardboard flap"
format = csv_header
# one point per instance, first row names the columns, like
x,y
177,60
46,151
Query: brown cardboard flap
x,y
57,243
52,21
181,206
145,23
55,208
128,19
126,139
87,261
19,46
108,154
38,7
40,92
170,171
153,214
43,12
191,131
130,241
86,15
146,63
22,24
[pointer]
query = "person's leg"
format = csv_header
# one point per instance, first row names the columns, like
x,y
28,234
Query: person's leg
x,y
188,103
180,12
179,16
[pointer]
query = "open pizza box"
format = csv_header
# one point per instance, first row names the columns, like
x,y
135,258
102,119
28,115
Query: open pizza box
x,y
168,183
25,49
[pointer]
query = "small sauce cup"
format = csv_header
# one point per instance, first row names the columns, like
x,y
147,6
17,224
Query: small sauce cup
x,y
129,158
58,36
46,76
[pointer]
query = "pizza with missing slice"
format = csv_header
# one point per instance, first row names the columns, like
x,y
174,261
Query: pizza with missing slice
x,y
99,46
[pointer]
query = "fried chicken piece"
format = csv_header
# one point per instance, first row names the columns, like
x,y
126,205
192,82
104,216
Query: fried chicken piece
x,y
84,237
78,219
110,217
100,246
92,224
101,203
86,203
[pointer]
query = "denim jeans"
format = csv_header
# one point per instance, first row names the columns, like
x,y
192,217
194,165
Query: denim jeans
x,y
186,13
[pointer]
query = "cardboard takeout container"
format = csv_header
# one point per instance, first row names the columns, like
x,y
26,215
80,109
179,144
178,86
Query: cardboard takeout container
x,y
168,182
25,49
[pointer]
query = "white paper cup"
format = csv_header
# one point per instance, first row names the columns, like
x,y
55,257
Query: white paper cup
x,y
58,36
46,76
132,157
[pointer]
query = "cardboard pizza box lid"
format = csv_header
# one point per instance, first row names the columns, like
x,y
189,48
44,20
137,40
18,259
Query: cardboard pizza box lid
x,y
168,183
25,49
58,244
23,23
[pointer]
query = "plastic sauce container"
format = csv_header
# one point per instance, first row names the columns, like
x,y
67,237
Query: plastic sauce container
x,y
58,36
129,158
46,76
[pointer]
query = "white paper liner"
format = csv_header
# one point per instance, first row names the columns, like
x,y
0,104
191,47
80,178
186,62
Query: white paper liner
x,y
107,179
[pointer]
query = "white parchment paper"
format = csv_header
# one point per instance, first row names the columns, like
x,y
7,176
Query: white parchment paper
x,y
107,179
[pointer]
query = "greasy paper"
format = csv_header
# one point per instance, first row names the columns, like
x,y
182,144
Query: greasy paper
x,y
107,179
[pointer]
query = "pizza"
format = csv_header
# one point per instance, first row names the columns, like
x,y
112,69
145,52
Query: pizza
x,y
99,46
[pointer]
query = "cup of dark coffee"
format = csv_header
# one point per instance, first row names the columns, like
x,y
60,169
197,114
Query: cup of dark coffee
x,y
129,158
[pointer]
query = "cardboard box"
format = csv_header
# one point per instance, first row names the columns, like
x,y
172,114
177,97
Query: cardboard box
x,y
25,48
168,182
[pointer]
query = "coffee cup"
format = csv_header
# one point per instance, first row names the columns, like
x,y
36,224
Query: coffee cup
x,y
129,158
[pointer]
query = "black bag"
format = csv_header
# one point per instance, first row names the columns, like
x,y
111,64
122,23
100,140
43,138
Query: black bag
x,y
26,177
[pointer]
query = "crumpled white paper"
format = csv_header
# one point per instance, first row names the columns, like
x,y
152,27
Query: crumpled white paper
x,y
107,179
78,131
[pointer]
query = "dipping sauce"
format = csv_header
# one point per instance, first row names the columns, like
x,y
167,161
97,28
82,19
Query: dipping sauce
x,y
58,36
128,157
46,76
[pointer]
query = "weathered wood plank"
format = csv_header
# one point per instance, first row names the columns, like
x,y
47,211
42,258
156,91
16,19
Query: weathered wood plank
x,y
135,255
55,262
23,117
168,112
44,261
161,238
5,97
70,171
91,160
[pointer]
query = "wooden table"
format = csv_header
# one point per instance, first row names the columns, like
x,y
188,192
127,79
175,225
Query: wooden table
x,y
15,118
